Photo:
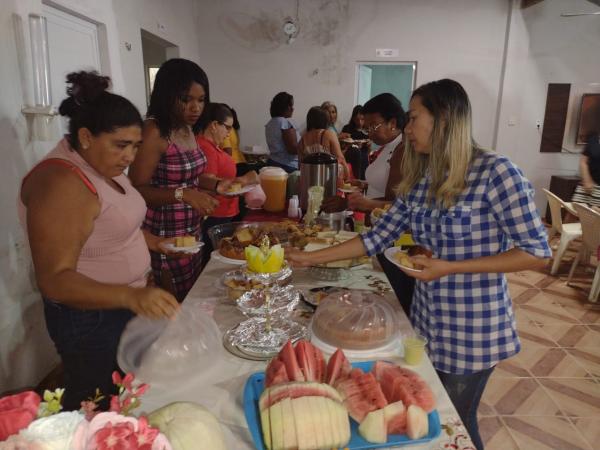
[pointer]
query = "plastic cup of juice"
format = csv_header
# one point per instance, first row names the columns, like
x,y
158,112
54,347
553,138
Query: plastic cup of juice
x,y
414,349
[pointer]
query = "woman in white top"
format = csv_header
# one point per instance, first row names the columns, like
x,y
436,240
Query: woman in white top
x,y
384,120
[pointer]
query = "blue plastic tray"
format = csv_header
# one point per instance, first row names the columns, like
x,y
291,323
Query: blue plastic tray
x,y
256,384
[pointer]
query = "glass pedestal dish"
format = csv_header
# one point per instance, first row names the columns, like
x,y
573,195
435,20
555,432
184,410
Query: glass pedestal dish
x,y
262,335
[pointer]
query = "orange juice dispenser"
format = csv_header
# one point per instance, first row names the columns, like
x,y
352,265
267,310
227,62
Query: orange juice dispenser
x,y
273,181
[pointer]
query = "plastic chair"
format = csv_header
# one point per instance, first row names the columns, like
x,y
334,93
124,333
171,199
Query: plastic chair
x,y
590,224
568,231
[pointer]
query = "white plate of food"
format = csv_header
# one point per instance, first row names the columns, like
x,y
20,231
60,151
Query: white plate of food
x,y
401,258
224,259
347,188
190,249
354,141
237,189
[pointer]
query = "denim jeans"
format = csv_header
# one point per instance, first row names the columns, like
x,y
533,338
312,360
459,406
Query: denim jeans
x,y
465,391
87,342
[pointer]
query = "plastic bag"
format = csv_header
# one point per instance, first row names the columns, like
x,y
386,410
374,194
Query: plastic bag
x,y
165,349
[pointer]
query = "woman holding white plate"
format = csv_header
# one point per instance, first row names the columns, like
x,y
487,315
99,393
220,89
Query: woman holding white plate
x,y
474,210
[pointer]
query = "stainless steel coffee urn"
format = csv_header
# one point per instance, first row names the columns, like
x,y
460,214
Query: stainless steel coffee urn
x,y
318,169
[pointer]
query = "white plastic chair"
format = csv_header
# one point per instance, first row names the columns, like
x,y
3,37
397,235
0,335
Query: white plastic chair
x,y
568,231
590,224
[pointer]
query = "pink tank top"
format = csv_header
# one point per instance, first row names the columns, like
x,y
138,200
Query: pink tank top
x,y
116,251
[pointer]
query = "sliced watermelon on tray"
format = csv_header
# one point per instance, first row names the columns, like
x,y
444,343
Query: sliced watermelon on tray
x,y
400,383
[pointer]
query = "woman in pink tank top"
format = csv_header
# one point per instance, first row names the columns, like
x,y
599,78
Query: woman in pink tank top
x,y
83,221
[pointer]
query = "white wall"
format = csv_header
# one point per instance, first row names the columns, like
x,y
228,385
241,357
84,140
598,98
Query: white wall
x,y
546,48
244,53
26,352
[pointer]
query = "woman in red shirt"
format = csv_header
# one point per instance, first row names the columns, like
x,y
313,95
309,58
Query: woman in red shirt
x,y
217,124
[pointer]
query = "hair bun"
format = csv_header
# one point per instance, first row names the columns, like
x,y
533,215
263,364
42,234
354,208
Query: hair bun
x,y
85,87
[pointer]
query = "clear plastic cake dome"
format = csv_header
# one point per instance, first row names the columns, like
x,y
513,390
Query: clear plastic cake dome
x,y
165,349
356,320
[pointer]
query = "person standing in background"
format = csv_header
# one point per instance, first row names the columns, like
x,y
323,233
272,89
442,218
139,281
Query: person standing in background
x,y
333,116
357,154
282,134
217,124
588,191
231,144
169,169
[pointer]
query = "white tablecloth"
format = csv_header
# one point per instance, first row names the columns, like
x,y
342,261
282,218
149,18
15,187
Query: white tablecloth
x,y
220,386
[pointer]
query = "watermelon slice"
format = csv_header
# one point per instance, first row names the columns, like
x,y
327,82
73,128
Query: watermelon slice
x,y
288,357
305,356
274,394
361,393
399,383
337,367
275,373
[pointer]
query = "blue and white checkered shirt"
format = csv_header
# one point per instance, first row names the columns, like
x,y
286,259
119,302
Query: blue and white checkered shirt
x,y
467,318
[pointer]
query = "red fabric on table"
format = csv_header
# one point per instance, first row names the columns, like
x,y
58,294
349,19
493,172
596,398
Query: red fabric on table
x,y
260,215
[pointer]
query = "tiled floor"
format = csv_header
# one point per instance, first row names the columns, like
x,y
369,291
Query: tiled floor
x,y
548,396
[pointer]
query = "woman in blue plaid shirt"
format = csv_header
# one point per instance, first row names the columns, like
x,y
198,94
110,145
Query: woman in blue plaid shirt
x,y
474,210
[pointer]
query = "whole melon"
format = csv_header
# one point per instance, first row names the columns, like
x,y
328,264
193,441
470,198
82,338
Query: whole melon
x,y
187,424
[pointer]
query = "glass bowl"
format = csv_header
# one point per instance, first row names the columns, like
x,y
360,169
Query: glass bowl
x,y
356,320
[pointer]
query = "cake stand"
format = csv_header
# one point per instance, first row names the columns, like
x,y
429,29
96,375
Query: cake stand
x,y
262,337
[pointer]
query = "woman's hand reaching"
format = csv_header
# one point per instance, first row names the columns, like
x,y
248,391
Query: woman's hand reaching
x,y
298,258
152,302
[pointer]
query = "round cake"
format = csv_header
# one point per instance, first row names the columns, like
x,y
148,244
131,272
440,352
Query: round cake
x,y
355,320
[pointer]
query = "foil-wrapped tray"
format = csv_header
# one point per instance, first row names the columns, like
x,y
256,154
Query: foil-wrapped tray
x,y
283,301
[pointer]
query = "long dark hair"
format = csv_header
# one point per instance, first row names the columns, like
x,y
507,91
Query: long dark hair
x,y
89,105
388,107
358,109
215,112
280,104
317,119
173,80
236,122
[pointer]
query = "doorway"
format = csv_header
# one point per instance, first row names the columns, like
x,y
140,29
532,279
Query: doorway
x,y
155,51
73,45
374,78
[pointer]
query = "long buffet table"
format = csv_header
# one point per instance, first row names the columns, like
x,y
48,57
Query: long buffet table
x,y
220,386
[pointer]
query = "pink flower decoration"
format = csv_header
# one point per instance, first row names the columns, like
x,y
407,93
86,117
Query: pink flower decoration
x,y
17,412
112,431
116,378
127,381
141,389
117,437
115,404
146,434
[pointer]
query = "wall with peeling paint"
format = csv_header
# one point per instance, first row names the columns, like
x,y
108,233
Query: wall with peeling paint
x,y
244,51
